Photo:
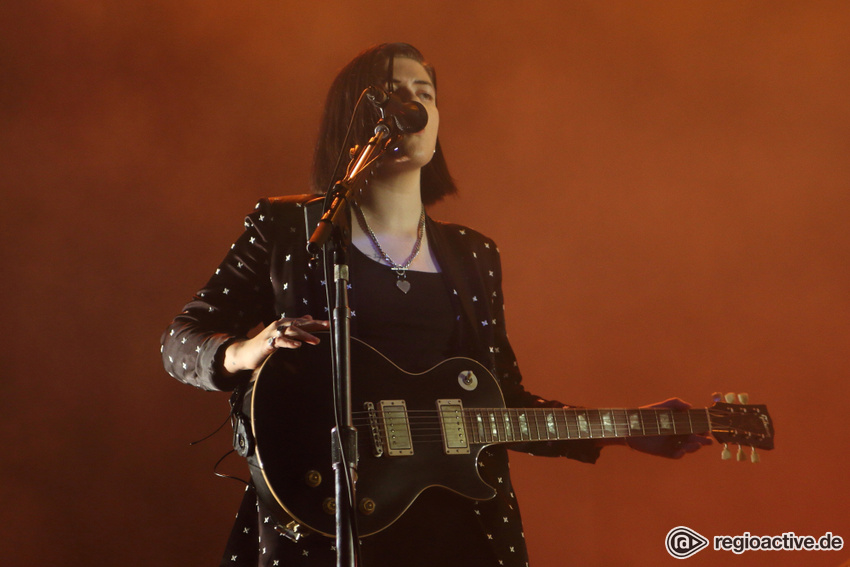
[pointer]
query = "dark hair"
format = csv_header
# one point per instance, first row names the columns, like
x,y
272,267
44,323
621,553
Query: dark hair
x,y
370,68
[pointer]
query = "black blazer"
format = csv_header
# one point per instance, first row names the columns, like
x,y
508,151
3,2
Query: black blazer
x,y
268,274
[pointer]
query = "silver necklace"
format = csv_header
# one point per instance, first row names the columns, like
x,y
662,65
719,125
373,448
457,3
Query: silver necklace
x,y
400,269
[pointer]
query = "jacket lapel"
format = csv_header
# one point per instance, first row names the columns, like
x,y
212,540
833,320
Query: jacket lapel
x,y
459,270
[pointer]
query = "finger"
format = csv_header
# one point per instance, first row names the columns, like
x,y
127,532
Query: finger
x,y
312,325
300,334
278,339
305,322
284,342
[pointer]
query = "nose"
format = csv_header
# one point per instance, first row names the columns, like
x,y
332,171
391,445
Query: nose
x,y
404,93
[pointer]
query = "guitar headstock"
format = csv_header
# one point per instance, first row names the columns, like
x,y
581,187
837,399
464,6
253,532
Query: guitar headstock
x,y
736,421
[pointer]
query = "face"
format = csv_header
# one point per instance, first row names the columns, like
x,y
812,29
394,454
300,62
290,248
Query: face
x,y
411,82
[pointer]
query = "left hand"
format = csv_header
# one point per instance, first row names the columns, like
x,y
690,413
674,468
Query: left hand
x,y
670,446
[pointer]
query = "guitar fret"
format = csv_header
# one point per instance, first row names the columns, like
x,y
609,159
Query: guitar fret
x,y
603,423
593,422
544,422
560,431
614,416
535,414
565,423
533,433
680,423
572,424
650,422
624,423
583,424
479,422
539,424
494,429
523,426
631,423
509,432
600,425
551,430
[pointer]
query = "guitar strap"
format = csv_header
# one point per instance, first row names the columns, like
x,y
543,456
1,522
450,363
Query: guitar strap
x,y
243,441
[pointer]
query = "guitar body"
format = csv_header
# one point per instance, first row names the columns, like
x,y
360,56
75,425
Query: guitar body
x,y
290,407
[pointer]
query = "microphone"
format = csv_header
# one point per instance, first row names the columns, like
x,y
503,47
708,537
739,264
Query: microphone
x,y
408,117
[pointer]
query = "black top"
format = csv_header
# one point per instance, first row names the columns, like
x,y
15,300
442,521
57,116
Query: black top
x,y
414,329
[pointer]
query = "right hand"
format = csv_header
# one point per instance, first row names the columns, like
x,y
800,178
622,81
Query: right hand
x,y
248,354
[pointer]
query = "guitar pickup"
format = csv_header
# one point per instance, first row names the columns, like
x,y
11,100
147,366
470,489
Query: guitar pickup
x,y
452,427
396,428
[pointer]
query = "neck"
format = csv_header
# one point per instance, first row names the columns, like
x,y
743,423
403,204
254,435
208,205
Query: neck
x,y
393,204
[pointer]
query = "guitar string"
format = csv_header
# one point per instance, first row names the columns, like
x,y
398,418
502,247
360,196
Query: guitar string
x,y
679,422
560,421
533,432
620,424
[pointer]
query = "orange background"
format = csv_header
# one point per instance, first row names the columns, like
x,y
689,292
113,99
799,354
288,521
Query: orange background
x,y
667,181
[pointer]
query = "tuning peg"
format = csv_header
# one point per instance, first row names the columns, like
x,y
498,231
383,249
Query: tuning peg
x,y
730,398
725,454
744,398
740,455
716,397
754,457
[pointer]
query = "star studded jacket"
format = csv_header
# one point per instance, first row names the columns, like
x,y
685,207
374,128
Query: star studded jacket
x,y
267,274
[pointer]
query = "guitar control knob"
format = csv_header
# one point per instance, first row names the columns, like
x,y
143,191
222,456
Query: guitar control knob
x,y
313,478
367,506
329,506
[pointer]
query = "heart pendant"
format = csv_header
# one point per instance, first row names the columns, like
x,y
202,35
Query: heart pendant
x,y
403,285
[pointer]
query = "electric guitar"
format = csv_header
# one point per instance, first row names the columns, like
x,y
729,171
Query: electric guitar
x,y
421,430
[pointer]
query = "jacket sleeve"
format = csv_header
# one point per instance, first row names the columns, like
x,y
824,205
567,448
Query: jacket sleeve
x,y
510,378
236,298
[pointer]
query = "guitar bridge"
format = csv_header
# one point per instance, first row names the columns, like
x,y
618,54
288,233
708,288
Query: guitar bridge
x,y
396,428
452,427
377,444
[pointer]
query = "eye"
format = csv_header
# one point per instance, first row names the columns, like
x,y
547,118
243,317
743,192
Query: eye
x,y
426,95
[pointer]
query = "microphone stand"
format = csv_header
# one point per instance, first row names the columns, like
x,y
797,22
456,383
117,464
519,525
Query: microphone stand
x,y
331,233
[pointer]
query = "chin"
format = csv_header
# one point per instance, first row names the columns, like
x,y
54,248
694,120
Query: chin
x,y
406,161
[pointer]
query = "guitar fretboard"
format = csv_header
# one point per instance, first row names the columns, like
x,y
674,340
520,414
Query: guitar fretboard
x,y
509,425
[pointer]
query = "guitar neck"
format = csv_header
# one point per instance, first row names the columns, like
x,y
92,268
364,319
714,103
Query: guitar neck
x,y
512,425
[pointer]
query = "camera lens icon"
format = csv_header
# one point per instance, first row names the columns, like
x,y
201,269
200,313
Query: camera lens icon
x,y
682,542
